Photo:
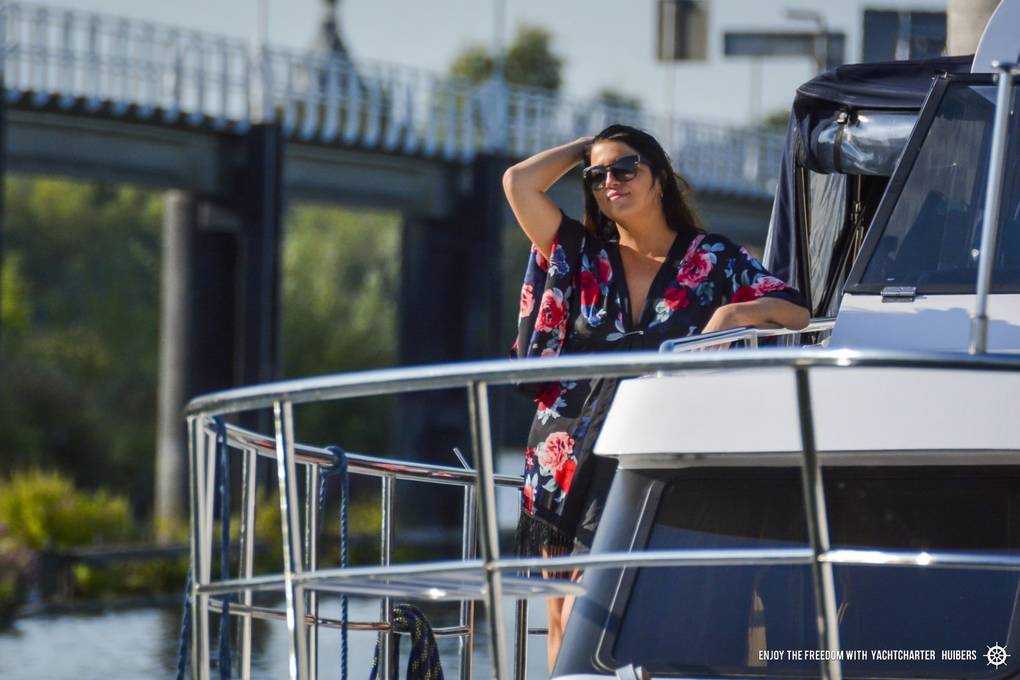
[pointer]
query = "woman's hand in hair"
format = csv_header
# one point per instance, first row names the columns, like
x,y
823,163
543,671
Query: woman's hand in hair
x,y
527,182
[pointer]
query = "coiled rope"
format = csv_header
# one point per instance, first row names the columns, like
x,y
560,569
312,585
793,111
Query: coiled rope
x,y
423,662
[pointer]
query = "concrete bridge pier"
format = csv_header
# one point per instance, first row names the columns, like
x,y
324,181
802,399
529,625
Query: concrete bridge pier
x,y
219,309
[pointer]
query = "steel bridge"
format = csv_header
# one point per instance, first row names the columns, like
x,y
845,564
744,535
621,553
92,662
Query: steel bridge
x,y
234,132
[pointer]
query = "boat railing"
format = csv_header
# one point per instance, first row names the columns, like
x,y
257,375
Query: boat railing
x,y
491,577
749,335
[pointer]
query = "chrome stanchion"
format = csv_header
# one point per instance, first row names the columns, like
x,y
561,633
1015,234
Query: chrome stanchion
x,y
481,440
286,470
818,531
993,196
249,465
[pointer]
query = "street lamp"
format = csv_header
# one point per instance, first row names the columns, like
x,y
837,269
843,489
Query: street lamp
x,y
821,35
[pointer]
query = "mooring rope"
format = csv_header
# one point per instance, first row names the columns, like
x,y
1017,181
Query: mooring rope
x,y
339,469
423,662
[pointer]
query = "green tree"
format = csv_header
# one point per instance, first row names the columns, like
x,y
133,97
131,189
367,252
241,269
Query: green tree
x,y
613,97
80,315
340,293
530,61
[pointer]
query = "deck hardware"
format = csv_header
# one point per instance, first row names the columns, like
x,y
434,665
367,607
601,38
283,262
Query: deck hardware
x,y
899,293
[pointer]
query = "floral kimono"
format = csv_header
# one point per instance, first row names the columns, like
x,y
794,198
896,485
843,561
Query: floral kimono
x,y
577,301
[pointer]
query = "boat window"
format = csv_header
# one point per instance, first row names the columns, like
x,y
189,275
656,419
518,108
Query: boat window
x,y
825,224
893,621
933,233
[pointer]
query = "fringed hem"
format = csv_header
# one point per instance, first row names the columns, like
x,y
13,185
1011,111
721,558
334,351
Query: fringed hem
x,y
535,538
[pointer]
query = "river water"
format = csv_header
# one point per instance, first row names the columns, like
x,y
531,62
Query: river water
x,y
142,643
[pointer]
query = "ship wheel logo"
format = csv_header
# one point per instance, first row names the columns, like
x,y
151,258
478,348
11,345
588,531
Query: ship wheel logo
x,y
996,655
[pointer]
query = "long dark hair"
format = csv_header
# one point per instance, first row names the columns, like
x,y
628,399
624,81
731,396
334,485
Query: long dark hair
x,y
677,198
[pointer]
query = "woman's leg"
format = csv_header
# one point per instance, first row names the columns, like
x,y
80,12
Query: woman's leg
x,y
554,606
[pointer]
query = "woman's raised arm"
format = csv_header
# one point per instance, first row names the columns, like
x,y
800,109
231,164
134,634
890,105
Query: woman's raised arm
x,y
525,185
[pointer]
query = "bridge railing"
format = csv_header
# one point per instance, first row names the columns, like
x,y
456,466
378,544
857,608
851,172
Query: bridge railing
x,y
93,62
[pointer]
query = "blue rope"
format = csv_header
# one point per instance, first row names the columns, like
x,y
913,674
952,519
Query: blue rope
x,y
223,661
339,469
184,643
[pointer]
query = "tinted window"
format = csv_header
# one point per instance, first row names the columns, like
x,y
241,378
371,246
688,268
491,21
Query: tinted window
x,y
932,236
726,620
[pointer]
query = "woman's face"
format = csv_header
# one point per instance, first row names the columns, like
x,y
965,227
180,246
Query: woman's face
x,y
623,200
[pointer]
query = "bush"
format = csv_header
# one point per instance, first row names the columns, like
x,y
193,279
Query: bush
x,y
15,562
44,510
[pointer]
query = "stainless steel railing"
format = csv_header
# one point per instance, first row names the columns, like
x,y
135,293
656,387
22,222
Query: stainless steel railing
x,y
475,378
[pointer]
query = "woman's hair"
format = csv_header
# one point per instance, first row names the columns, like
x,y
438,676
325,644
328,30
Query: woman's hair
x,y
677,200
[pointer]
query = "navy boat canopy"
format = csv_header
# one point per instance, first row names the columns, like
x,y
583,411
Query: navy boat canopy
x,y
852,120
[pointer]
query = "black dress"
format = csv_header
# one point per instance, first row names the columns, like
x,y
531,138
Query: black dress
x,y
577,301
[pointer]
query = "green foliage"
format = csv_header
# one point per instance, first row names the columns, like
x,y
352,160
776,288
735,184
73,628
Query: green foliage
x,y
44,510
777,119
80,320
612,97
339,313
530,61
15,561
474,63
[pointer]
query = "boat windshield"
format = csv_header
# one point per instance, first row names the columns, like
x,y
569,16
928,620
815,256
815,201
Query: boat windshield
x,y
894,622
932,235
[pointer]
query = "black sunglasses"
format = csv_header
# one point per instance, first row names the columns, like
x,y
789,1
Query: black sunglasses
x,y
623,169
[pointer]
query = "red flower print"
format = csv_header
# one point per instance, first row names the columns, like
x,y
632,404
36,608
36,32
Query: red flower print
x,y
527,299
565,474
767,284
555,450
551,312
589,289
529,497
695,269
676,298
546,399
529,456
743,294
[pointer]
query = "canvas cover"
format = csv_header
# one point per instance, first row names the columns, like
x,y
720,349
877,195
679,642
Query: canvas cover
x,y
820,106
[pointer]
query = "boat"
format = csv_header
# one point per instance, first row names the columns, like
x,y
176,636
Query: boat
x,y
854,513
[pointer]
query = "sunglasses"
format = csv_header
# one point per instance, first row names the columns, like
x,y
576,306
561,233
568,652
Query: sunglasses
x,y
623,169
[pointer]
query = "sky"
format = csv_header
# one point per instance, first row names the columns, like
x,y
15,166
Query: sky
x,y
604,43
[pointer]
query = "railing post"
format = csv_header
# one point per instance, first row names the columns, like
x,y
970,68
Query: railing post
x,y
387,664
286,471
485,486
289,121
311,108
198,47
818,531
331,121
993,196
352,105
249,468
92,83
122,58
469,548
201,547
65,79
39,55
312,562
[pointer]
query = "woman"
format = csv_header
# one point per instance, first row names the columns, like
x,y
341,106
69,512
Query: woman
x,y
639,271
